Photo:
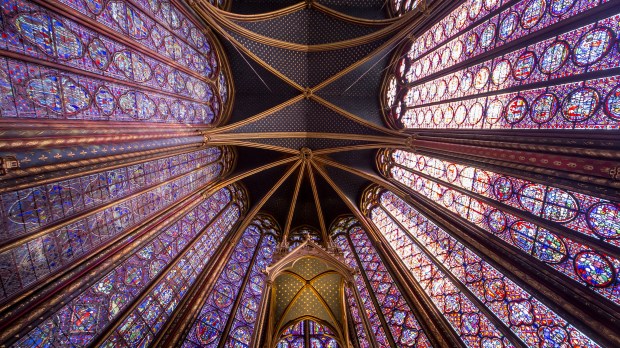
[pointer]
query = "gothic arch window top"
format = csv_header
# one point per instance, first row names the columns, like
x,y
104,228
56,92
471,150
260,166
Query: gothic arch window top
x,y
301,233
308,333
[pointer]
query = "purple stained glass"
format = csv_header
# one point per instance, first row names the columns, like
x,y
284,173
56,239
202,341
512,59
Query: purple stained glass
x,y
612,103
581,213
79,321
594,269
592,46
580,104
516,308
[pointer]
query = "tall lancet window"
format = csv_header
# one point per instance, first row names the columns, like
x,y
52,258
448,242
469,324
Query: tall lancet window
x,y
156,276
299,235
483,305
389,318
232,305
308,334
124,61
496,65
488,200
79,215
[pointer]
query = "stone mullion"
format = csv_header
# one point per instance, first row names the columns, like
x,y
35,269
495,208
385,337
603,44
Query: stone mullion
x,y
600,164
113,324
596,320
554,227
257,335
386,327
174,335
438,329
511,336
33,306
360,305
177,318
591,186
233,311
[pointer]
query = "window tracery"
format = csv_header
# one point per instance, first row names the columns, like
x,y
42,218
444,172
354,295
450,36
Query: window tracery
x,y
442,180
456,278
383,303
144,62
316,334
251,255
111,203
165,259
424,89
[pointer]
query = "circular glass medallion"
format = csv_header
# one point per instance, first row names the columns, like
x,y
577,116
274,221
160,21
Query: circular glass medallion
x,y
594,269
482,77
592,46
612,104
580,104
560,7
516,110
508,25
544,108
524,65
486,38
494,111
501,72
534,12
554,57
604,219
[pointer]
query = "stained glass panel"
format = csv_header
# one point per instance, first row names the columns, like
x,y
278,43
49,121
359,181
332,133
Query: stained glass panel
x,y
360,253
512,305
79,321
118,200
582,213
574,52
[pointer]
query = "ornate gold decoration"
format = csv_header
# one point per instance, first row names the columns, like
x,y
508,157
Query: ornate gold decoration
x,y
7,164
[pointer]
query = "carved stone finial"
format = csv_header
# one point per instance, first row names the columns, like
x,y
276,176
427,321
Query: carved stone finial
x,y
7,164
305,154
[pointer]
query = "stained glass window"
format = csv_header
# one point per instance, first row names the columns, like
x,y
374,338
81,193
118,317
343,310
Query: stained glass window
x,y
307,334
463,286
299,235
462,189
378,292
424,82
167,259
169,64
251,255
110,203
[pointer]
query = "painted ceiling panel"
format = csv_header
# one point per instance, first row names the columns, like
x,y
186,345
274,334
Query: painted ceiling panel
x,y
306,116
307,26
287,286
308,304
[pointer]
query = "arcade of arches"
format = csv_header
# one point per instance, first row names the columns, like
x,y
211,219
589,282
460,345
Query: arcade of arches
x,y
310,173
